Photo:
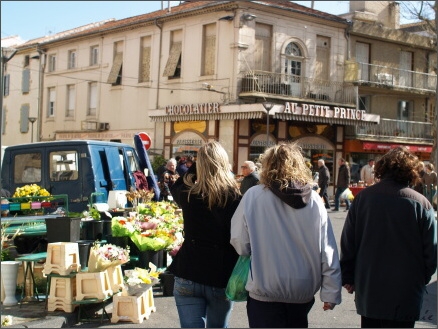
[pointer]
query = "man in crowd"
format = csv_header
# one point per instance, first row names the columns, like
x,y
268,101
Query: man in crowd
x,y
323,182
367,173
342,184
250,176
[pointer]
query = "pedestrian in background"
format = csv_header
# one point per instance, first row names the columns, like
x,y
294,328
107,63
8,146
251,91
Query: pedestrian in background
x,y
167,179
283,225
181,167
250,176
208,196
388,245
342,184
419,186
430,182
323,182
367,173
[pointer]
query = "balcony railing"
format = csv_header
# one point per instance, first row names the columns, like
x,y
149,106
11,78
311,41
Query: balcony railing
x,y
262,83
387,76
395,130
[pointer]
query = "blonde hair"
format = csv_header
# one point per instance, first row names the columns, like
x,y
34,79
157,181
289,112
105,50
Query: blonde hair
x,y
283,164
215,181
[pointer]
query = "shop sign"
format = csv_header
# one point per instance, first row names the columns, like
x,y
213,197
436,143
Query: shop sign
x,y
387,147
184,109
188,142
97,135
326,111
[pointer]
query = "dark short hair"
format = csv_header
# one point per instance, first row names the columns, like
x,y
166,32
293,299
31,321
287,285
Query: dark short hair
x,y
370,160
398,164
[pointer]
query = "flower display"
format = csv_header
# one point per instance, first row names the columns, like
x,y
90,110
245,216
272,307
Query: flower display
x,y
138,280
31,190
104,256
154,226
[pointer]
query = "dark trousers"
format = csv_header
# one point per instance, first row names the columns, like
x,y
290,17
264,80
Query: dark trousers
x,y
323,194
377,323
277,315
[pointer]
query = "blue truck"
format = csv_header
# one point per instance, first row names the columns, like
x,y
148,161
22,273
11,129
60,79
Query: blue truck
x,y
74,171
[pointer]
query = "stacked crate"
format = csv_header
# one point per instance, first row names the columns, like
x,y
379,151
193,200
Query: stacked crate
x,y
61,265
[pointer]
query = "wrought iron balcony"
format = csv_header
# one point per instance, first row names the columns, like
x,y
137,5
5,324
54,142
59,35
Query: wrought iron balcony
x,y
385,76
293,87
393,131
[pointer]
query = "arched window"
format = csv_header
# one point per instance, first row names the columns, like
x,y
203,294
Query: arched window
x,y
293,68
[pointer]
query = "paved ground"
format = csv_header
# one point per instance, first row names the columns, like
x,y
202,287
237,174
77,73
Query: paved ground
x,y
32,315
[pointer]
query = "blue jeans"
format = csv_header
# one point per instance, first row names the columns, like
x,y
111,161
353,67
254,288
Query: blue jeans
x,y
338,193
201,306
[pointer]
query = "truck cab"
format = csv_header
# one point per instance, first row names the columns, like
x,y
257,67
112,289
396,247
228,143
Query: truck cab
x,y
77,168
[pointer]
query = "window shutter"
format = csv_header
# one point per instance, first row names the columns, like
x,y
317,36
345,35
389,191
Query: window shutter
x,y
172,62
146,64
210,52
24,118
3,127
25,84
262,49
6,85
115,70
322,58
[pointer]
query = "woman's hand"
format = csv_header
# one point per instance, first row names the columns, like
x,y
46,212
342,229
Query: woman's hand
x,y
349,287
328,306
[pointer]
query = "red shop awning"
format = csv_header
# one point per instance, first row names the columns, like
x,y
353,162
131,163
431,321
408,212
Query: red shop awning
x,y
383,146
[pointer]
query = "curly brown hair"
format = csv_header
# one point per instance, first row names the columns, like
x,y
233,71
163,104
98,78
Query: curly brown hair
x,y
398,164
283,164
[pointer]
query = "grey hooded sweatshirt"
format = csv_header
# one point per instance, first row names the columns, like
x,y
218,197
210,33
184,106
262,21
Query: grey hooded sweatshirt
x,y
291,242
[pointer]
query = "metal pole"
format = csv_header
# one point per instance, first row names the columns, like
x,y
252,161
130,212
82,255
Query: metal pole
x,y
267,129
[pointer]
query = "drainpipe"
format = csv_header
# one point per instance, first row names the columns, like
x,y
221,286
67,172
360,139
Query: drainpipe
x,y
347,36
42,64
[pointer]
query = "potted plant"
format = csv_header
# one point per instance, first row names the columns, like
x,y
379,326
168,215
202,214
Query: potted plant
x,y
94,226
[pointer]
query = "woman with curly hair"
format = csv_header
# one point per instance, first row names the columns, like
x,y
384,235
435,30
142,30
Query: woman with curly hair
x,y
388,245
283,224
208,196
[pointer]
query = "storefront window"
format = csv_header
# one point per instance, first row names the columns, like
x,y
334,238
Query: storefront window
x,y
190,136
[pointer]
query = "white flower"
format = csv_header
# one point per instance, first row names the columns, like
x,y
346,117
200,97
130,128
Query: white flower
x,y
7,321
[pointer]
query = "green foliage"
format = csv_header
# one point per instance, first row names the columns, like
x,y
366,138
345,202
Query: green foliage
x,y
158,161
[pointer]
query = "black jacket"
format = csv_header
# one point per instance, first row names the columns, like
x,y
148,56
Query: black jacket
x,y
249,181
343,176
323,176
388,250
206,256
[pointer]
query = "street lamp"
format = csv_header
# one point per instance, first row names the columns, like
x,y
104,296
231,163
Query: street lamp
x,y
268,106
32,121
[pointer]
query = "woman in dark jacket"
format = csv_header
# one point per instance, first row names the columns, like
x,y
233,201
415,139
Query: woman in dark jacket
x,y
208,196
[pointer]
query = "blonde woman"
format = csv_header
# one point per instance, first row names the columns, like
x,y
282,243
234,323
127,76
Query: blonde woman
x,y
208,196
283,224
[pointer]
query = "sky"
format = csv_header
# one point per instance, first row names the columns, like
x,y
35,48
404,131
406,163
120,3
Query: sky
x,y
34,19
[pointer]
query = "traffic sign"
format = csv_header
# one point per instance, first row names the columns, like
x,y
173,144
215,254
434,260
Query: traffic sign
x,y
146,140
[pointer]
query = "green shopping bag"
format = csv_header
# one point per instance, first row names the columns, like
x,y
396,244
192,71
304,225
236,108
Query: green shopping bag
x,y
235,290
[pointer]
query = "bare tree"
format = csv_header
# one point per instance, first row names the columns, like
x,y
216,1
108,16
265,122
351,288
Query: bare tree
x,y
424,12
